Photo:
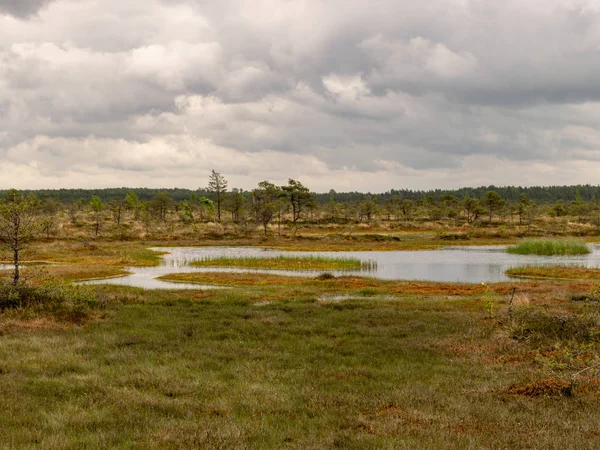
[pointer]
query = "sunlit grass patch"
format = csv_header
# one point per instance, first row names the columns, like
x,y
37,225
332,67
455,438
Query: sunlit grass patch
x,y
556,272
91,253
549,247
287,263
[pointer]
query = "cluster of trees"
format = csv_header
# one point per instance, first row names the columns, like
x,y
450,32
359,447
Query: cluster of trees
x,y
468,209
294,202
259,206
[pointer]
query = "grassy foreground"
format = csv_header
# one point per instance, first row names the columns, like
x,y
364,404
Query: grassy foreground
x,y
293,365
549,247
287,263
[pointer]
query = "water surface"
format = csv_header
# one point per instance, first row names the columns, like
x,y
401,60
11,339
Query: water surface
x,y
452,264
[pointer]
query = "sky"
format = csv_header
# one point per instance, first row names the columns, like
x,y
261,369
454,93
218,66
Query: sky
x,y
350,95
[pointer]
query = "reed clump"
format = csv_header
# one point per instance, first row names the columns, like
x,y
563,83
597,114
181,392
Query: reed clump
x,y
549,247
313,262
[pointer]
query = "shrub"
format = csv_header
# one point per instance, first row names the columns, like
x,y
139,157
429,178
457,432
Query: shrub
x,y
453,236
56,298
325,276
538,326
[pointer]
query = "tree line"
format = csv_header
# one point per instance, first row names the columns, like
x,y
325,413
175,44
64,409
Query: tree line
x,y
288,204
511,194
294,202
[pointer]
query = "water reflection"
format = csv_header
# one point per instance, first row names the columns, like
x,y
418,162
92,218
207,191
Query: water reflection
x,y
455,264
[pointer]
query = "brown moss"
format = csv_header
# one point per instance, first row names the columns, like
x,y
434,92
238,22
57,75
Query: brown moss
x,y
41,323
558,272
438,289
540,388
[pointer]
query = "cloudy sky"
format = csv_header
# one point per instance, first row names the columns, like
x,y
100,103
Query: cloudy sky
x,y
342,94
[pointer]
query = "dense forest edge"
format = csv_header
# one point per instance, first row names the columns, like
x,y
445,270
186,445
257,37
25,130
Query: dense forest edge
x,y
511,194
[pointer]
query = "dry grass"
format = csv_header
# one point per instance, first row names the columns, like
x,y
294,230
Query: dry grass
x,y
94,253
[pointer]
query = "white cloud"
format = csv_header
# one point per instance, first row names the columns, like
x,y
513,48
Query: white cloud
x,y
176,64
347,87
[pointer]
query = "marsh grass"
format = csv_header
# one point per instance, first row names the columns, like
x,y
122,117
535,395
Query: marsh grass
x,y
95,253
555,272
549,247
313,262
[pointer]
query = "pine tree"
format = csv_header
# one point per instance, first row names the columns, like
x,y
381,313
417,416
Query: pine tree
x,y
18,225
217,184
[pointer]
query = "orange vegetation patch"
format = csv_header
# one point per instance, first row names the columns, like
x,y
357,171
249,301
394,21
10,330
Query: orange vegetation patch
x,y
472,428
557,272
233,279
343,374
473,348
353,282
261,279
438,289
84,272
42,323
538,291
266,299
195,295
590,386
402,415
540,388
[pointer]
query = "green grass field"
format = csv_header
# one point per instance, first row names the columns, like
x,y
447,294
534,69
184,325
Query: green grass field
x,y
277,366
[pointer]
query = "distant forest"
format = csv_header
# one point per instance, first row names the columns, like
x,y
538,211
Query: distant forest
x,y
511,194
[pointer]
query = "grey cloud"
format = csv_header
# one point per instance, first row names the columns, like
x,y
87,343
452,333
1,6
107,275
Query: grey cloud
x,y
355,84
22,8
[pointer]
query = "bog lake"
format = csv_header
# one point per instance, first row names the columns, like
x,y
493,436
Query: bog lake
x,y
468,264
